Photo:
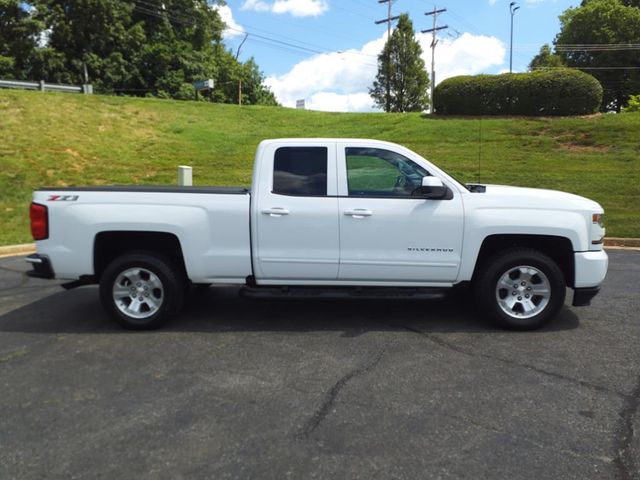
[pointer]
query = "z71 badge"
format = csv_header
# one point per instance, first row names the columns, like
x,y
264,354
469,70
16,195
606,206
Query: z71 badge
x,y
62,198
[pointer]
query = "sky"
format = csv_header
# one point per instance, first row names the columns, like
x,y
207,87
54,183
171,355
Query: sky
x,y
325,51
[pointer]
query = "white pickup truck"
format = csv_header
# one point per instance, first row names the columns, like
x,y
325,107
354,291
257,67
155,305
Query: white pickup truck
x,y
324,217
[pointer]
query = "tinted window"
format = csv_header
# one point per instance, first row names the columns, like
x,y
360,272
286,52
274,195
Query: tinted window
x,y
381,173
300,171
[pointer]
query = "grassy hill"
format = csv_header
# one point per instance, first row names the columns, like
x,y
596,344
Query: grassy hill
x,y
61,140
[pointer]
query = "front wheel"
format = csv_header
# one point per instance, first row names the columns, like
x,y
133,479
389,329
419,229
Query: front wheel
x,y
141,291
520,289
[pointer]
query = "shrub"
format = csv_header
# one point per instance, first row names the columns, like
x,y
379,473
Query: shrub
x,y
633,105
542,92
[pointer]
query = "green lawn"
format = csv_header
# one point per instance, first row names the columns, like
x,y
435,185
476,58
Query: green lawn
x,y
49,139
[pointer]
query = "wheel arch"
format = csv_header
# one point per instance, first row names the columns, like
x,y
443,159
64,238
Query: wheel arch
x,y
109,245
559,249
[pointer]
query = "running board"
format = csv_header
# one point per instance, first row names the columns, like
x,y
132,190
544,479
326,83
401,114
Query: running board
x,y
418,293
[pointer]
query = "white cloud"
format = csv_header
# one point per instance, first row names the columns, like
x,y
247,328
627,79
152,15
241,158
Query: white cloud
x,y
256,5
340,81
297,8
233,28
335,81
466,55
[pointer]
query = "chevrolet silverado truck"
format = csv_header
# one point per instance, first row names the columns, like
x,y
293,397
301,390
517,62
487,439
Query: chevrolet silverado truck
x,y
329,217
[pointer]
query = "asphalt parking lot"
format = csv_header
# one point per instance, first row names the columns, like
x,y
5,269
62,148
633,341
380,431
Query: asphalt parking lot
x,y
317,389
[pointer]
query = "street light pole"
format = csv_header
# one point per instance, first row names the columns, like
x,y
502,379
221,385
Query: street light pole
x,y
512,9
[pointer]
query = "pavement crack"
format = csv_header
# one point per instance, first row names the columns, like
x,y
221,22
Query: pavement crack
x,y
448,345
625,461
330,397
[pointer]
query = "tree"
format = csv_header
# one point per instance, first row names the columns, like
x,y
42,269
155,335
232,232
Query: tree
x,y
604,22
19,31
401,68
545,59
254,91
131,47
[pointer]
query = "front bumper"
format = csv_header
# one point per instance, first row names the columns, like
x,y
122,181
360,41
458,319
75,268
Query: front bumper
x,y
41,267
590,268
590,271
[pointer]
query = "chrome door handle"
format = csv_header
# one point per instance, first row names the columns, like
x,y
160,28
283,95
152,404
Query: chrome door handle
x,y
359,213
276,211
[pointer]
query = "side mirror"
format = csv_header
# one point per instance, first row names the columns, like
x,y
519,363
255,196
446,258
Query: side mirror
x,y
432,188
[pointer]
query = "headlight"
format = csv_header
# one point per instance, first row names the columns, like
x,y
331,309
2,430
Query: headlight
x,y
597,232
599,219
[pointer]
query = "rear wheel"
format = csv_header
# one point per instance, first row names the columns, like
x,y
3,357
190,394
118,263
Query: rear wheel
x,y
520,289
141,291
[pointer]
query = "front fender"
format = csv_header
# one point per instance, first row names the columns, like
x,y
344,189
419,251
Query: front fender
x,y
485,222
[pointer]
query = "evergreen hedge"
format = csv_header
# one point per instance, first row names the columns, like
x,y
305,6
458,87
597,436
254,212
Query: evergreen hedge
x,y
538,93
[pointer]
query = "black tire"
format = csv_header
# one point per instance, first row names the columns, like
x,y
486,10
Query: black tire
x,y
527,313
167,299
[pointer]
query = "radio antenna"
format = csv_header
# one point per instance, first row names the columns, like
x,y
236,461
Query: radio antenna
x,y
479,146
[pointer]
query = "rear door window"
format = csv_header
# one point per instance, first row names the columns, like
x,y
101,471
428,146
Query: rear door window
x,y
300,171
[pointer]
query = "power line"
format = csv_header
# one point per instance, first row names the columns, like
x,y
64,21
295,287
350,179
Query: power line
x,y
267,41
597,48
290,45
317,49
340,7
471,26
363,3
305,28
301,51
255,37
142,6
325,49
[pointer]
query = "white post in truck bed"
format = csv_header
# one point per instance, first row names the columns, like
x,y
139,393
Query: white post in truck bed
x,y
185,176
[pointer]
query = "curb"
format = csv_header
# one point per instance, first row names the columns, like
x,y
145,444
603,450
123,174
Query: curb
x,y
622,242
612,243
14,250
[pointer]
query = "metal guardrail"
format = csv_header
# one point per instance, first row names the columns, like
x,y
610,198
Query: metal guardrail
x,y
43,87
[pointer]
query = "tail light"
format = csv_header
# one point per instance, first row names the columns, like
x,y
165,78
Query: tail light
x,y
39,221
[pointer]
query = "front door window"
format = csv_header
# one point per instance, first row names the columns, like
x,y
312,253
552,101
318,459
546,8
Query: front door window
x,y
374,172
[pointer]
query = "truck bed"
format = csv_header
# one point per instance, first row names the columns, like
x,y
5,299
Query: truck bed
x,y
210,223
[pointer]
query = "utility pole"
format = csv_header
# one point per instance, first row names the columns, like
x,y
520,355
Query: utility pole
x,y
512,9
388,21
434,42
